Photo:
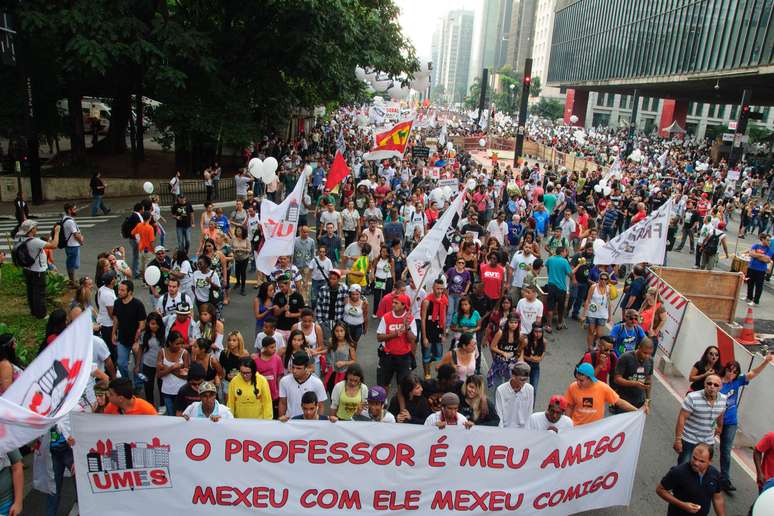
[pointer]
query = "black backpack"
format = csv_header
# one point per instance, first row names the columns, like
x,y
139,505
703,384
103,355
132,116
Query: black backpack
x,y
713,242
21,254
62,238
128,225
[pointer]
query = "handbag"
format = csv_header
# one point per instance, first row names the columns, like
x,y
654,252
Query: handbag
x,y
214,298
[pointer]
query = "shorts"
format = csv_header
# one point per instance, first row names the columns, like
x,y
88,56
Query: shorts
x,y
393,365
596,321
555,298
73,254
433,352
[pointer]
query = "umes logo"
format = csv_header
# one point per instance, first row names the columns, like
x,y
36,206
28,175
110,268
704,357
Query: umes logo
x,y
128,466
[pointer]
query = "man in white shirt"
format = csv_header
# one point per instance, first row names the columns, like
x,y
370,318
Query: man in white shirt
x,y
242,183
448,415
320,267
514,399
520,264
106,298
73,240
530,310
498,228
553,418
168,303
568,225
293,386
208,407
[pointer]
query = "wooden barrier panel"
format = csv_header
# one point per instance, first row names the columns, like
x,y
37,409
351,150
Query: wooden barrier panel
x,y
715,293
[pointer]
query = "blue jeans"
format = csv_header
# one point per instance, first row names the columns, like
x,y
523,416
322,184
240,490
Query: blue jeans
x,y
169,403
183,238
454,299
73,253
97,205
135,257
534,376
726,444
61,459
123,359
316,286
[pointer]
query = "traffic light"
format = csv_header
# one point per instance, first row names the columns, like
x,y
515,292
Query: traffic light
x,y
744,115
527,80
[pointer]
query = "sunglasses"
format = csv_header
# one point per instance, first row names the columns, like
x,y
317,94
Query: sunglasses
x,y
712,384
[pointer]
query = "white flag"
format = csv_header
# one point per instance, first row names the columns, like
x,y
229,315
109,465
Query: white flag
x,y
49,388
426,261
662,160
280,225
644,242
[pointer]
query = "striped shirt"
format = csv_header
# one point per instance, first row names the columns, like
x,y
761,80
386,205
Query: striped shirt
x,y
700,424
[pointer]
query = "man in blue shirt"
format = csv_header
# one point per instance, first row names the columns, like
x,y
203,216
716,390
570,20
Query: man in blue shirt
x,y
627,334
558,271
541,219
760,260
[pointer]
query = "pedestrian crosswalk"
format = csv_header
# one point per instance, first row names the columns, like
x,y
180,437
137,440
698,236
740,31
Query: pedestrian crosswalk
x,y
45,224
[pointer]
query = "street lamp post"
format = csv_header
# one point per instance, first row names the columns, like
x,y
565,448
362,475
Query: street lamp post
x,y
512,87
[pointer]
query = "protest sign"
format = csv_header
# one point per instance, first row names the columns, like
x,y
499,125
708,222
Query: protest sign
x,y
420,152
125,465
453,183
280,225
643,242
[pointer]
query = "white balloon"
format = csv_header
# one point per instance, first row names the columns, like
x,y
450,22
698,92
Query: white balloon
x,y
398,92
148,187
268,168
447,192
607,190
308,171
152,275
482,142
471,184
381,86
436,195
574,119
254,167
764,505
270,177
598,188
360,73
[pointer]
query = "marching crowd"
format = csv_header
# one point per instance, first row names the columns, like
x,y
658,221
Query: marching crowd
x,y
465,350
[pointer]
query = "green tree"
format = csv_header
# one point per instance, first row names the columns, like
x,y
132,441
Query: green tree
x,y
547,108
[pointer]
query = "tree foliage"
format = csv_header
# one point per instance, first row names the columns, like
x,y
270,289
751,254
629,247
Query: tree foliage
x,y
223,71
547,108
505,99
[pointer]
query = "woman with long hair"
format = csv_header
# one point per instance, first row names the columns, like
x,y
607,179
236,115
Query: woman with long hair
x,y
211,328
296,342
534,352
182,270
707,365
82,300
349,394
466,319
463,357
262,304
223,247
597,309
150,344
416,408
202,353
341,353
249,395
172,368
498,317
506,351
314,338
356,314
241,248
475,404
382,275
10,367
231,357
653,316
103,265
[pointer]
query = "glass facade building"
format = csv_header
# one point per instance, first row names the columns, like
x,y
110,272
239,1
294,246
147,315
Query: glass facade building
x,y
601,40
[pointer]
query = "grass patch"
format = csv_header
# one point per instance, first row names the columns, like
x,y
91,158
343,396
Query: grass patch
x,y
15,314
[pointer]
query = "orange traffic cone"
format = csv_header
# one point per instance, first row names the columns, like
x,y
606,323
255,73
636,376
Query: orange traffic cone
x,y
747,337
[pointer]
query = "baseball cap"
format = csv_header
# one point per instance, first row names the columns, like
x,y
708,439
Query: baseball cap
x,y
160,249
449,398
377,393
183,309
108,277
355,288
586,369
27,226
556,399
337,272
404,299
207,387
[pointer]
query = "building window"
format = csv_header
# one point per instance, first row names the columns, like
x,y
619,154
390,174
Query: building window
x,y
610,101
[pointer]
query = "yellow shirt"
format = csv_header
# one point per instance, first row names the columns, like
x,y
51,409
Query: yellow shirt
x,y
360,265
243,402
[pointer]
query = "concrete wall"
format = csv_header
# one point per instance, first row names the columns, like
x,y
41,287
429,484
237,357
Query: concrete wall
x,y
66,188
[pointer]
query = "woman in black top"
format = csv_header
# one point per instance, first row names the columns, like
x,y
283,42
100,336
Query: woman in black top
x,y
533,354
708,364
417,408
505,352
202,354
475,404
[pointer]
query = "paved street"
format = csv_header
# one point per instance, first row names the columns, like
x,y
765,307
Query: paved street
x,y
564,350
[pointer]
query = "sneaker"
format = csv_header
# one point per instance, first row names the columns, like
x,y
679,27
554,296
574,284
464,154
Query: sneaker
x,y
728,487
751,303
695,266
162,411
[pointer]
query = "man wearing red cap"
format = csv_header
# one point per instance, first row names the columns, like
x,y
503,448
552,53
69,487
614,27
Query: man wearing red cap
x,y
553,418
398,334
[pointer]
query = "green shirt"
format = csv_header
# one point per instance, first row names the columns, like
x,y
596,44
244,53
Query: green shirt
x,y
558,269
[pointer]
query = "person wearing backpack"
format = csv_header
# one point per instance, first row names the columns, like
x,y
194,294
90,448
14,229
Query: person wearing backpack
x,y
71,241
29,253
711,245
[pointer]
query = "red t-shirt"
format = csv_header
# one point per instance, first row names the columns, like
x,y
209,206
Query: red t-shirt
x,y
766,447
492,278
604,371
638,217
583,221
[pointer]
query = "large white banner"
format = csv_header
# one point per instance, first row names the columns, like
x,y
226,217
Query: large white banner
x,y
49,388
425,262
675,304
280,225
174,466
643,242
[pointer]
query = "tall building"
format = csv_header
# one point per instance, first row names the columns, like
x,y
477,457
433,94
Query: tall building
x,y
491,36
541,45
522,33
454,35
435,52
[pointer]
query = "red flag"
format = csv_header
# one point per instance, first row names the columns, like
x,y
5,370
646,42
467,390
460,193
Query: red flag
x,y
339,170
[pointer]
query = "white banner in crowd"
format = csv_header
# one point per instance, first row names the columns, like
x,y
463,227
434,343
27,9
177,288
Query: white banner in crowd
x,y
675,304
425,262
280,225
644,242
49,388
173,466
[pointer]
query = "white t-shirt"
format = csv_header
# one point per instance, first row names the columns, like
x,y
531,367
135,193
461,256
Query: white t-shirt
x,y
166,304
520,265
330,217
186,283
193,410
326,265
528,312
497,230
568,227
202,287
290,389
435,417
540,423
242,183
106,298
278,339
69,229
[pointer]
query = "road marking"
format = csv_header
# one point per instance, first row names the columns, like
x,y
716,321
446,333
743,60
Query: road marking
x,y
734,454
